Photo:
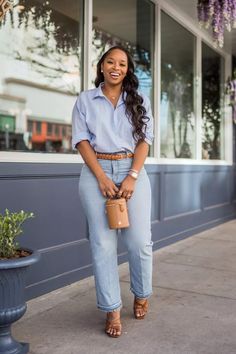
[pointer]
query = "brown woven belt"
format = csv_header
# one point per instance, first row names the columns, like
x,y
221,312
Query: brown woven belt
x,y
116,156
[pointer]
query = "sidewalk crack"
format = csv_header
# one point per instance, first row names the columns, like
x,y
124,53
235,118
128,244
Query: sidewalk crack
x,y
200,266
194,292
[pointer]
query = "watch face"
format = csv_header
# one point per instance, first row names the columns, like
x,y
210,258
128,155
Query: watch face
x,y
133,174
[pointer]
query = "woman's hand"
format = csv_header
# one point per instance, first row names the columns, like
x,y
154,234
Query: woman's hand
x,y
107,186
127,187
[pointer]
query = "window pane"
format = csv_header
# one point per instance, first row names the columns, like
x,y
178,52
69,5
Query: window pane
x,y
7,127
63,131
49,129
129,23
177,118
40,55
212,104
38,128
30,126
57,130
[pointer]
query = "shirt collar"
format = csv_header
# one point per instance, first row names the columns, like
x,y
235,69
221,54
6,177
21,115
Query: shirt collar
x,y
99,93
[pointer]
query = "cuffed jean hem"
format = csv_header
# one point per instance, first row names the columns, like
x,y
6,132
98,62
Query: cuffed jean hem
x,y
141,296
116,307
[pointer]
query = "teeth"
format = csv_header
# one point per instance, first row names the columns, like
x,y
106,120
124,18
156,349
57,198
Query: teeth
x,y
115,74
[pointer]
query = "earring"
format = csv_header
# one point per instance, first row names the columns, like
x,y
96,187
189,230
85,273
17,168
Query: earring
x,y
101,71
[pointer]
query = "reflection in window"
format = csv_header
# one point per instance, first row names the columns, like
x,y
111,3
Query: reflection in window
x,y
64,131
177,119
7,129
49,128
30,126
40,76
128,23
212,103
38,128
57,130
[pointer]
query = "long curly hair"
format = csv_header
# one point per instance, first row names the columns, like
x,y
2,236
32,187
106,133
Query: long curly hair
x,y
135,110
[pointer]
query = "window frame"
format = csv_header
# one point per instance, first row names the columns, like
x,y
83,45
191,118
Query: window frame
x,y
187,22
223,73
195,93
201,36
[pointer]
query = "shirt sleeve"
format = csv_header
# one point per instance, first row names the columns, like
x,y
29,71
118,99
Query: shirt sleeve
x,y
149,129
80,129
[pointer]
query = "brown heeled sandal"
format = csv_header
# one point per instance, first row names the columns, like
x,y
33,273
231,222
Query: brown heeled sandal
x,y
140,304
113,324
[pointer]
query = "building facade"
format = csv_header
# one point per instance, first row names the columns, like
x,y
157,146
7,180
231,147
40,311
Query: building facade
x,y
48,54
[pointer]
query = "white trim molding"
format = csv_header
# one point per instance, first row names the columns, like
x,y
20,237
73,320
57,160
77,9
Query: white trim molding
x,y
31,157
88,30
35,157
157,83
228,116
198,98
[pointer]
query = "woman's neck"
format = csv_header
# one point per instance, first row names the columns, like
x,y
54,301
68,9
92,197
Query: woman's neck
x,y
112,90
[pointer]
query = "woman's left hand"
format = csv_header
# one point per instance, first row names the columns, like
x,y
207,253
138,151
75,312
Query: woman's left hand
x,y
127,187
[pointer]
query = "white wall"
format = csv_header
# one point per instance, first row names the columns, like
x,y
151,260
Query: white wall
x,y
43,103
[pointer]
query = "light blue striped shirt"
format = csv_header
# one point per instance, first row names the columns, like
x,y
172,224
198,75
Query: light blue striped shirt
x,y
107,129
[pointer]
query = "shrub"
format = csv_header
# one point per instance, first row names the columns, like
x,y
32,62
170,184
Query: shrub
x,y
10,228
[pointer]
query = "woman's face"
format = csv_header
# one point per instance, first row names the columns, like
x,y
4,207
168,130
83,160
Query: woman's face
x,y
115,67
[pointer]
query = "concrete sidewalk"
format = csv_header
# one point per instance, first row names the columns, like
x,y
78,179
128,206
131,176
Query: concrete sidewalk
x,y
192,310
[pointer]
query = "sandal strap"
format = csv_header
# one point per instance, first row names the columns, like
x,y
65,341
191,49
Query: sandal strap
x,y
113,323
143,305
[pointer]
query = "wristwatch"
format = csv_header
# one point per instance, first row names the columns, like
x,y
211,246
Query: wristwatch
x,y
133,173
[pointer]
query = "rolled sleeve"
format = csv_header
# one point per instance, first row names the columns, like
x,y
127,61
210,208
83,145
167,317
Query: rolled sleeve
x,y
149,129
80,129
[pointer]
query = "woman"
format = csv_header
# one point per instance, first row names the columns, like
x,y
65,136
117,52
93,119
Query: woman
x,y
112,130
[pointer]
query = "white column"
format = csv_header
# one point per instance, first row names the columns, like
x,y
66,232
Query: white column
x,y
87,57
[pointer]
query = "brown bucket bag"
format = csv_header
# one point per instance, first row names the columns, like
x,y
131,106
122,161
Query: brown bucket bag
x,y
117,213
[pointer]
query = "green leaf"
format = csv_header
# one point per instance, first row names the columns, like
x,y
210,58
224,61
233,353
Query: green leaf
x,y
10,227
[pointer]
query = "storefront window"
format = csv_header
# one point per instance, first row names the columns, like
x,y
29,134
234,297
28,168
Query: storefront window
x,y
212,104
49,128
38,128
40,74
128,23
30,126
177,116
63,131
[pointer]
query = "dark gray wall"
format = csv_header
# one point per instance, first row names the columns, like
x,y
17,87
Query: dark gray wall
x,y
185,200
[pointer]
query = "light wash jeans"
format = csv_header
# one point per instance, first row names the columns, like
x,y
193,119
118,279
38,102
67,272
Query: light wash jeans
x,y
103,241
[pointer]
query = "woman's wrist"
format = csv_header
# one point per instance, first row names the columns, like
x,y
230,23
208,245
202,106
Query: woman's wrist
x,y
101,176
133,173
134,170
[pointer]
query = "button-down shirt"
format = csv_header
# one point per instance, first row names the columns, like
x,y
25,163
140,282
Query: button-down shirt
x,y
107,128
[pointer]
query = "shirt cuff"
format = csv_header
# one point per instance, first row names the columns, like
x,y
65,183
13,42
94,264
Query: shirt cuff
x,y
79,138
148,141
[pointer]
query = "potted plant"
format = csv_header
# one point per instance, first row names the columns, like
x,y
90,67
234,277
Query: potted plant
x,y
14,262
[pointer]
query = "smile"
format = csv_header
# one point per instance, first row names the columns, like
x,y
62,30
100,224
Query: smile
x,y
115,75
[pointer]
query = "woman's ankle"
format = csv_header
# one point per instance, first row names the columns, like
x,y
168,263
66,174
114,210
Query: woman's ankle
x,y
113,314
